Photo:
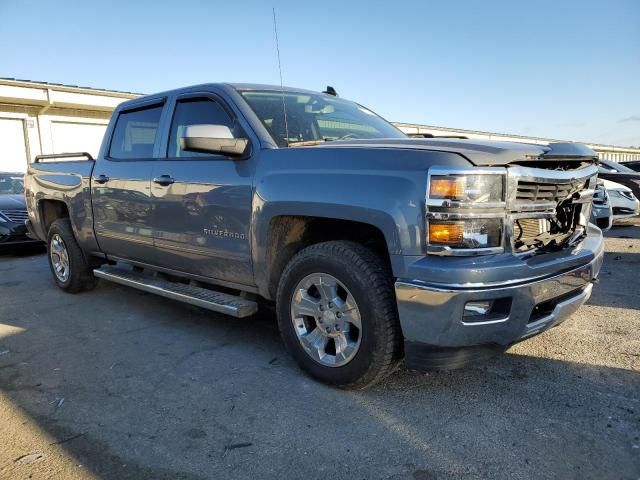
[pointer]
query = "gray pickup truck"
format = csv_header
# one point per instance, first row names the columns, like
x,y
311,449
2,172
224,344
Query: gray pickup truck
x,y
371,246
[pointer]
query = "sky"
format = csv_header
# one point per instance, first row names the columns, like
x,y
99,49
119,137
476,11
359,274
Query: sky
x,y
564,69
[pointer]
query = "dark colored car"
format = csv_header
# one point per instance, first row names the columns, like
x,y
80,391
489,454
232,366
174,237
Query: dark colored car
x,y
13,211
619,173
634,165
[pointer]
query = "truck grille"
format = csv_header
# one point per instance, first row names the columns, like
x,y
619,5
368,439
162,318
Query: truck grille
x,y
16,216
538,192
549,207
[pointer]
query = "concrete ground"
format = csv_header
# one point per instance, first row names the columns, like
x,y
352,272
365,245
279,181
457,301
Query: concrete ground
x,y
119,384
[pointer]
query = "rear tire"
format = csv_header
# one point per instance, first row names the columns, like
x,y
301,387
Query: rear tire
x,y
71,270
365,297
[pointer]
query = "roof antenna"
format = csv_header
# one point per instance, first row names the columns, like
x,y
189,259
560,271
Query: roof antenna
x,y
330,91
284,106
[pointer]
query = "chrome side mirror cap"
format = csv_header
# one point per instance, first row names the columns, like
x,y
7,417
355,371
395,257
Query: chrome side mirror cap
x,y
216,139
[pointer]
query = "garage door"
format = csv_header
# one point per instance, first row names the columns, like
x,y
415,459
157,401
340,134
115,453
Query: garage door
x,y
77,137
13,148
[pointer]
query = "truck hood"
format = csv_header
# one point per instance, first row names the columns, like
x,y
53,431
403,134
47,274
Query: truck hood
x,y
479,152
12,202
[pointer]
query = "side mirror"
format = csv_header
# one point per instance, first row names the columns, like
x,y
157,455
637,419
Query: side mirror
x,y
212,139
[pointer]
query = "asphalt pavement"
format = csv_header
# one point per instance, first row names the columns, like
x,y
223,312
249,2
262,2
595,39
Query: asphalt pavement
x,y
119,384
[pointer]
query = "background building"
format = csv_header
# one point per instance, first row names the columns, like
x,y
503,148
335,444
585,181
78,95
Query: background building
x,y
41,117
605,152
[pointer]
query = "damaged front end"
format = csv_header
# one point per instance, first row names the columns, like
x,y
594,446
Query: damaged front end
x,y
552,226
534,204
549,202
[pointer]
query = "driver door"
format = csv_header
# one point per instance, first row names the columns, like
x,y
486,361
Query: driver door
x,y
202,201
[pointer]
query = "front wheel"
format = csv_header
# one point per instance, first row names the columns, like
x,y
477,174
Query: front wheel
x,y
337,314
70,269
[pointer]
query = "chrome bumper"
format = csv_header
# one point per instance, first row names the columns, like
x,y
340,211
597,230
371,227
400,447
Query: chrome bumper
x,y
435,315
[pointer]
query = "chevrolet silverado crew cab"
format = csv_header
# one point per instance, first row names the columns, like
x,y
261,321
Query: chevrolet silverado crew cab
x,y
371,245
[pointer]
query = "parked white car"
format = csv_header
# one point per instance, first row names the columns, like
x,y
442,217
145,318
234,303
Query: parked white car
x,y
601,212
624,204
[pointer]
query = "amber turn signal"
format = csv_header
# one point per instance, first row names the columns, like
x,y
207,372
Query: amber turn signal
x,y
447,187
449,233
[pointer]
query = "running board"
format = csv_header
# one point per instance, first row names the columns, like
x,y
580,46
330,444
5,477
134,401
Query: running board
x,y
201,297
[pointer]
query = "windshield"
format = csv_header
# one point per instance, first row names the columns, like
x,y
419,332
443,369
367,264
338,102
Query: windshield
x,y
11,185
315,118
608,166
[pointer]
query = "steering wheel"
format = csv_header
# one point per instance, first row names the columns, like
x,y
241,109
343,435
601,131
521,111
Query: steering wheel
x,y
348,136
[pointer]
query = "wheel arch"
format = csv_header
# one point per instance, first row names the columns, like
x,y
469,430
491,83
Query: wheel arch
x,y
286,235
50,210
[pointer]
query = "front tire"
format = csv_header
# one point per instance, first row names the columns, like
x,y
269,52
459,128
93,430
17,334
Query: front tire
x,y
70,269
337,314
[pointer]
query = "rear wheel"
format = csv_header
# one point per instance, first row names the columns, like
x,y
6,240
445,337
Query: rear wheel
x,y
337,314
70,269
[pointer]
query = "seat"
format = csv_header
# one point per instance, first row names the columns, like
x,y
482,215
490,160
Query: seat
x,y
300,126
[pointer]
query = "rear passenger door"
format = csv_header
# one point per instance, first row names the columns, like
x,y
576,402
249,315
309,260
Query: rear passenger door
x,y
202,201
121,185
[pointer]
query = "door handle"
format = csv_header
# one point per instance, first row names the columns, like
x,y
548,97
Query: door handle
x,y
101,179
164,180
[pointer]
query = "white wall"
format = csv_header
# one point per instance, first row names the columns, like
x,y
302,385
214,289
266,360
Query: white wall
x,y
76,137
40,118
23,135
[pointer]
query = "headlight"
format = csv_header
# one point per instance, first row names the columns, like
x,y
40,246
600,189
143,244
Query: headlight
x,y
465,234
467,188
628,194
465,211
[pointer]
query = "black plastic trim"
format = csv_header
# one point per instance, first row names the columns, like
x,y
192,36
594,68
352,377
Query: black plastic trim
x,y
422,356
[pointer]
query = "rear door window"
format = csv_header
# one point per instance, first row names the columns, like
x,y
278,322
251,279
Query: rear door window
x,y
135,133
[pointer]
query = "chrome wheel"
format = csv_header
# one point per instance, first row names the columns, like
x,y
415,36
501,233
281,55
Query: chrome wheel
x,y
59,258
326,320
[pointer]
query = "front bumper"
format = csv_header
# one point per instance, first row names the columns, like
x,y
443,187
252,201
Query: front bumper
x,y
12,234
433,321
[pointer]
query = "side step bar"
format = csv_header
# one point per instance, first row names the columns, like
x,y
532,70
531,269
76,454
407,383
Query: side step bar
x,y
218,302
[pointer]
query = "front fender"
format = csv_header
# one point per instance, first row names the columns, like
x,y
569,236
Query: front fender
x,y
379,187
